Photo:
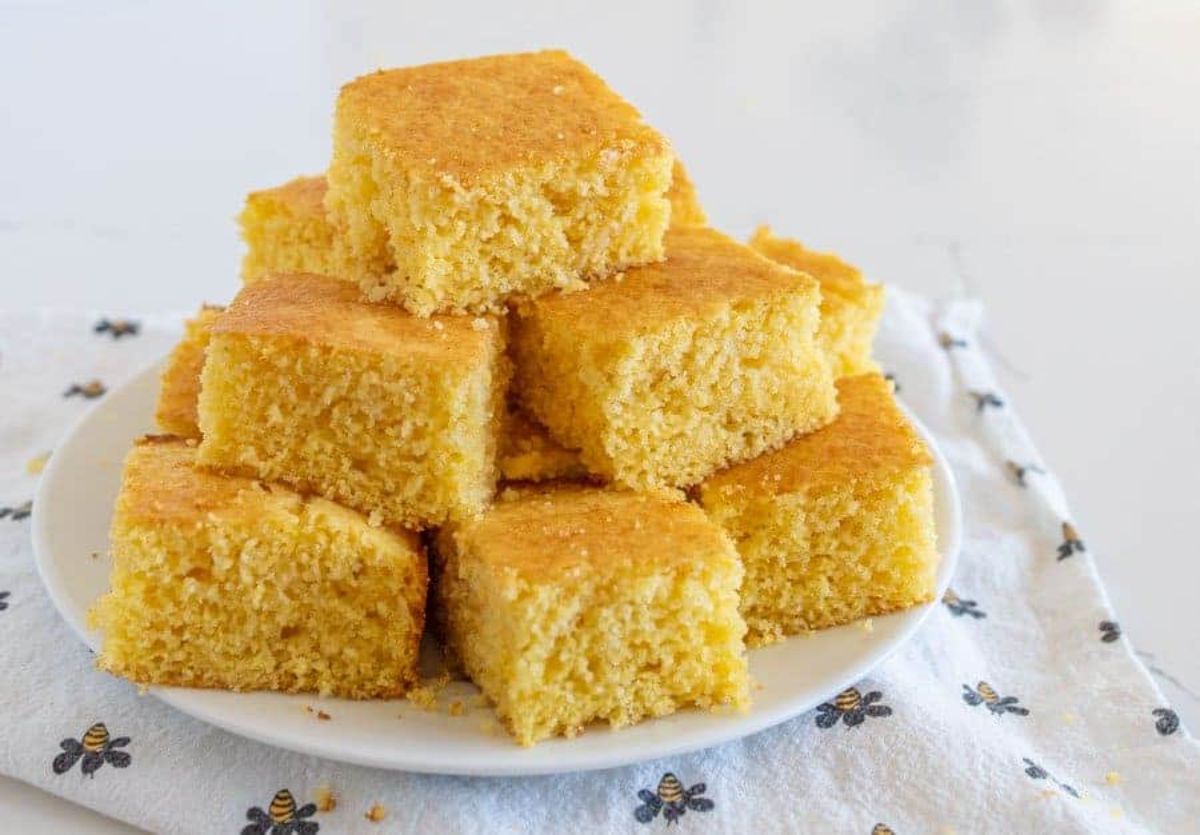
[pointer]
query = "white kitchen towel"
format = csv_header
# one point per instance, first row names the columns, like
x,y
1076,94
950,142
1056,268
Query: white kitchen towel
x,y
1077,738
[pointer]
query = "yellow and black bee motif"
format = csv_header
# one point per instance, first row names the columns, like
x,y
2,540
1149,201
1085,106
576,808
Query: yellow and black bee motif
x,y
1166,721
1036,772
891,378
117,327
983,694
1020,472
672,799
4,600
852,708
1110,631
89,390
282,817
95,749
1071,543
959,607
882,829
986,399
17,513
949,340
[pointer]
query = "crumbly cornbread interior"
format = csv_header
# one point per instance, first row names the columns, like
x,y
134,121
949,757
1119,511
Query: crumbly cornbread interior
x,y
219,581
678,368
482,178
365,404
571,605
528,453
286,230
851,306
835,526
685,202
179,382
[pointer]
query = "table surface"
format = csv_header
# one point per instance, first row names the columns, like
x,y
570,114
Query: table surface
x,y
1038,155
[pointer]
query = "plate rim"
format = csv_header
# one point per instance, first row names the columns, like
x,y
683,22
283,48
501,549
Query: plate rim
x,y
947,502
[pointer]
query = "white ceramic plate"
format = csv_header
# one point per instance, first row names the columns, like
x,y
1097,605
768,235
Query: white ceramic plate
x,y
72,511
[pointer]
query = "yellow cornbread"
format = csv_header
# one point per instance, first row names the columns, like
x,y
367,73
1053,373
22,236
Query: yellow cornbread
x,y
850,305
362,403
528,453
286,231
836,525
685,204
482,178
663,375
575,604
179,383
220,581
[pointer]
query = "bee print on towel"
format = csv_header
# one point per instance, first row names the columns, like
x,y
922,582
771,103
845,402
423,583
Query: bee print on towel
x,y
282,817
852,708
88,391
891,378
948,340
986,400
983,694
4,600
1110,631
960,608
95,749
672,800
1036,772
882,829
17,513
1071,543
1166,721
116,328
1020,472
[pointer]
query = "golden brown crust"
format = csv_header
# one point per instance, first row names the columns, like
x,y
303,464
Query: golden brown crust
x,y
835,275
548,530
472,118
300,197
871,435
329,312
704,272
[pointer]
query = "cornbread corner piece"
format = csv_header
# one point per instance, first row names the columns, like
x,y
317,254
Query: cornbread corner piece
x,y
362,403
679,368
179,382
528,453
835,526
574,604
286,230
483,178
850,305
685,204
220,581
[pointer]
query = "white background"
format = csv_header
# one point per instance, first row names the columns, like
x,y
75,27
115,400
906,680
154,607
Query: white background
x,y
1039,154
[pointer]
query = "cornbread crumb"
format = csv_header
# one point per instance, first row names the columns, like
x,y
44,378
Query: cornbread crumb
x,y
179,383
376,813
706,359
323,715
457,708
324,797
478,179
274,591
850,306
425,695
37,463
846,531
310,386
564,612
867,625
1112,778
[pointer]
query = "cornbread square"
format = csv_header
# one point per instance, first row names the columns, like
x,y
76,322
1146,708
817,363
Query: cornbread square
x,y
286,230
482,178
677,368
364,404
179,382
220,581
838,524
850,305
574,604
528,453
685,204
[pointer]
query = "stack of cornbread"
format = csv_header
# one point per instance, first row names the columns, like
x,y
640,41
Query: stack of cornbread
x,y
634,445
